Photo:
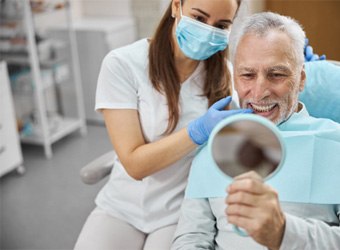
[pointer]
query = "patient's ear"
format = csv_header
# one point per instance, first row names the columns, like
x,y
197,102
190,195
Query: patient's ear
x,y
302,79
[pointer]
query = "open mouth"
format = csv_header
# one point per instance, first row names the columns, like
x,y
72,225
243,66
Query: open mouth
x,y
262,109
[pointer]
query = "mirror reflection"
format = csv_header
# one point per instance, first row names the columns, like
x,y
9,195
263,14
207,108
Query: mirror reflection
x,y
246,145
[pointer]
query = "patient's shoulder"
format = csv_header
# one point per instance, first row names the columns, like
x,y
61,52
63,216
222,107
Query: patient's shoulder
x,y
322,123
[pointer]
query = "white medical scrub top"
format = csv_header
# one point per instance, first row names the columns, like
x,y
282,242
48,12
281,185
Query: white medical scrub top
x,y
123,83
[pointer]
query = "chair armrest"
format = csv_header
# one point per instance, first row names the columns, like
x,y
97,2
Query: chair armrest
x,y
97,169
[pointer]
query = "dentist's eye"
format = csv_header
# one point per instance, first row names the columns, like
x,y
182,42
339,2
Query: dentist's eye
x,y
199,18
223,26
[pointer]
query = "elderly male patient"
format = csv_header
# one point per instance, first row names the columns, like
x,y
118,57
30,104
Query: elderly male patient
x,y
267,54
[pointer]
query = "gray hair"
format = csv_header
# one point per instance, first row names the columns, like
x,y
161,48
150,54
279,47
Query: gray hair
x,y
260,24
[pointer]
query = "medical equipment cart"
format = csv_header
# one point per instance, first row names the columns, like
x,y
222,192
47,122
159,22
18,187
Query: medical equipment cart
x,y
48,68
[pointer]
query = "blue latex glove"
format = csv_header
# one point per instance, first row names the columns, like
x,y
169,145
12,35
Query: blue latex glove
x,y
309,55
200,129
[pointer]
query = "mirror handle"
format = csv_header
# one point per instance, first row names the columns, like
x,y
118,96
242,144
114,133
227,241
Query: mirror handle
x,y
240,231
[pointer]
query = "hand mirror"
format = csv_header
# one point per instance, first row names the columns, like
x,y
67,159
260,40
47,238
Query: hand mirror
x,y
244,143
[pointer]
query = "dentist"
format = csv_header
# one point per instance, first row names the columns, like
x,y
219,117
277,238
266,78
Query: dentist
x,y
160,99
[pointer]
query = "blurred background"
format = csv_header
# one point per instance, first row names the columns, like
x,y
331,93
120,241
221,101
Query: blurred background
x,y
50,56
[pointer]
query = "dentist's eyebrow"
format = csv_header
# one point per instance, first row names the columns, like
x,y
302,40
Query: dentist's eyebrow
x,y
201,11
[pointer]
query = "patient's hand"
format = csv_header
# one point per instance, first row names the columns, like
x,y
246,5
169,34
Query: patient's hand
x,y
254,206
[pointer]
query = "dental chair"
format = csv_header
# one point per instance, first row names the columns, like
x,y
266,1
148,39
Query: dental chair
x,y
321,97
97,169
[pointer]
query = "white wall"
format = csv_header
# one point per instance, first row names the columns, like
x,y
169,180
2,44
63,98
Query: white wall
x,y
147,13
106,8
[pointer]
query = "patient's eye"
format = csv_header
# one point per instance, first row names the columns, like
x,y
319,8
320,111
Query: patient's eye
x,y
276,76
248,76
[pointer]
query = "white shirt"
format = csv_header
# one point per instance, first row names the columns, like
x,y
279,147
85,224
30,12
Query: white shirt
x,y
204,225
123,83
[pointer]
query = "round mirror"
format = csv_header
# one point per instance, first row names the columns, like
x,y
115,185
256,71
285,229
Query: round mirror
x,y
245,143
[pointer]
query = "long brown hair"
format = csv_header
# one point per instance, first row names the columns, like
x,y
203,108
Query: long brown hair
x,y
164,76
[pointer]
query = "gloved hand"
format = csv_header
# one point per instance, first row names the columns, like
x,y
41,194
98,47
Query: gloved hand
x,y
200,129
309,55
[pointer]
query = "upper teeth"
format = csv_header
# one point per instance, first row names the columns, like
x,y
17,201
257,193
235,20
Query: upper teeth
x,y
263,108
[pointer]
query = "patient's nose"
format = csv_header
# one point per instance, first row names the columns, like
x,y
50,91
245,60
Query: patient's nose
x,y
260,90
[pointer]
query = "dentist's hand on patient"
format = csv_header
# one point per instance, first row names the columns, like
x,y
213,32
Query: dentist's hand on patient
x,y
254,206
200,129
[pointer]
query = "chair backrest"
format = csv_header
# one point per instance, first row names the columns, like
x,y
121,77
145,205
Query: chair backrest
x,y
322,90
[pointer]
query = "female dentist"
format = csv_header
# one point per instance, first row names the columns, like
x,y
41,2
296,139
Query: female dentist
x,y
154,95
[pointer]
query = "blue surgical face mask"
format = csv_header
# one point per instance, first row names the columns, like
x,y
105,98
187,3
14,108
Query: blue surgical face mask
x,y
198,40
